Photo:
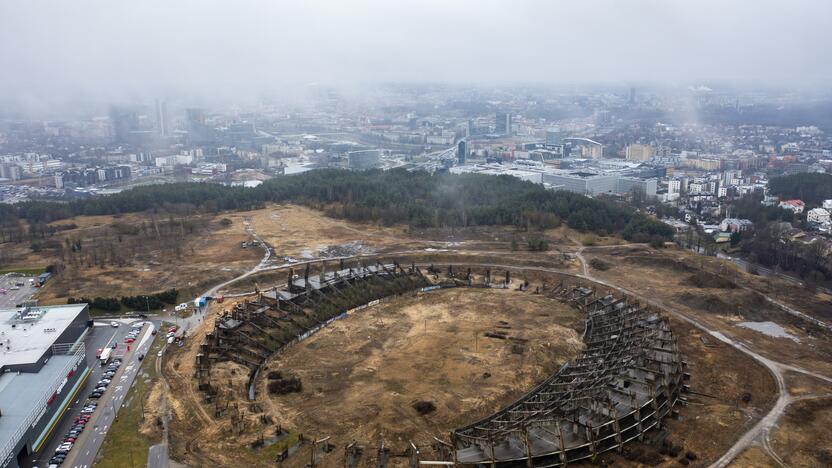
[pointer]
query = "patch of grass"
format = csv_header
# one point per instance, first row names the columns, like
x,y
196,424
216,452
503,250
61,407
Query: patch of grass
x,y
124,444
599,264
30,271
268,454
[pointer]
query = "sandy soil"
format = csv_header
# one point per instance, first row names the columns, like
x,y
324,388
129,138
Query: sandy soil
x,y
303,233
362,375
370,368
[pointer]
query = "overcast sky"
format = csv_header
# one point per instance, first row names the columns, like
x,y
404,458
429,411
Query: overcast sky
x,y
73,49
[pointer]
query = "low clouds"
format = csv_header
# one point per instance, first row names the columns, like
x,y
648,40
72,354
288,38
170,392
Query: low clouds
x,y
107,50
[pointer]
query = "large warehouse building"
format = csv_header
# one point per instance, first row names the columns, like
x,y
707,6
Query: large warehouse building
x,y
43,365
590,181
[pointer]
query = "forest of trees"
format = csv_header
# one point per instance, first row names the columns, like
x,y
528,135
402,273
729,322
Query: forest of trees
x,y
812,188
419,199
768,243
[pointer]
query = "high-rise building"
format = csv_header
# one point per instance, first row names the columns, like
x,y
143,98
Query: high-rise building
x,y
637,152
198,131
553,137
124,121
632,95
461,151
10,171
503,123
603,117
162,123
195,115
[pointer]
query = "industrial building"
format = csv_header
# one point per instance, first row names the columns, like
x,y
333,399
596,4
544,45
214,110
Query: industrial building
x,y
43,366
586,179
365,159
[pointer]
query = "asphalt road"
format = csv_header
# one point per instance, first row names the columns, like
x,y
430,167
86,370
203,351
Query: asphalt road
x,y
97,337
12,297
157,456
90,440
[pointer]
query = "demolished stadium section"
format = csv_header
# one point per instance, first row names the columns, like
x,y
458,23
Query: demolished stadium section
x,y
627,379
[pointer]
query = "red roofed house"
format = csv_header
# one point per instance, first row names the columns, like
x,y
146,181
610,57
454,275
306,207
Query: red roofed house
x,y
795,205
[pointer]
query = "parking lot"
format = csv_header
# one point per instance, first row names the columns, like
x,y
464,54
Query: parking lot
x,y
15,289
90,434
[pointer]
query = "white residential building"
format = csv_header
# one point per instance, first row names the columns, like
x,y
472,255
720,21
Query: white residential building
x,y
827,204
818,215
698,187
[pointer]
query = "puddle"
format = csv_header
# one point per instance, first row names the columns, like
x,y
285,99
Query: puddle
x,y
770,329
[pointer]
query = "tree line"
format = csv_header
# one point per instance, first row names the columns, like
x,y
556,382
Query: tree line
x,y
812,188
419,199
140,302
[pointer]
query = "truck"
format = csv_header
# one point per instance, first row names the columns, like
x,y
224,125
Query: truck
x,y
105,355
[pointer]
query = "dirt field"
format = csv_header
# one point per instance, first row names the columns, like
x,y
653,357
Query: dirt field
x,y
803,436
136,253
724,298
370,368
303,233
362,375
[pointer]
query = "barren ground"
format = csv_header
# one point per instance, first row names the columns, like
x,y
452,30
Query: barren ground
x,y
145,264
361,375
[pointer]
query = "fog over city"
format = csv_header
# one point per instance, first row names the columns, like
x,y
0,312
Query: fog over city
x,y
57,51
447,233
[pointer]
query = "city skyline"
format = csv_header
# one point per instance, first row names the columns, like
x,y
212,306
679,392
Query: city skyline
x,y
60,53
